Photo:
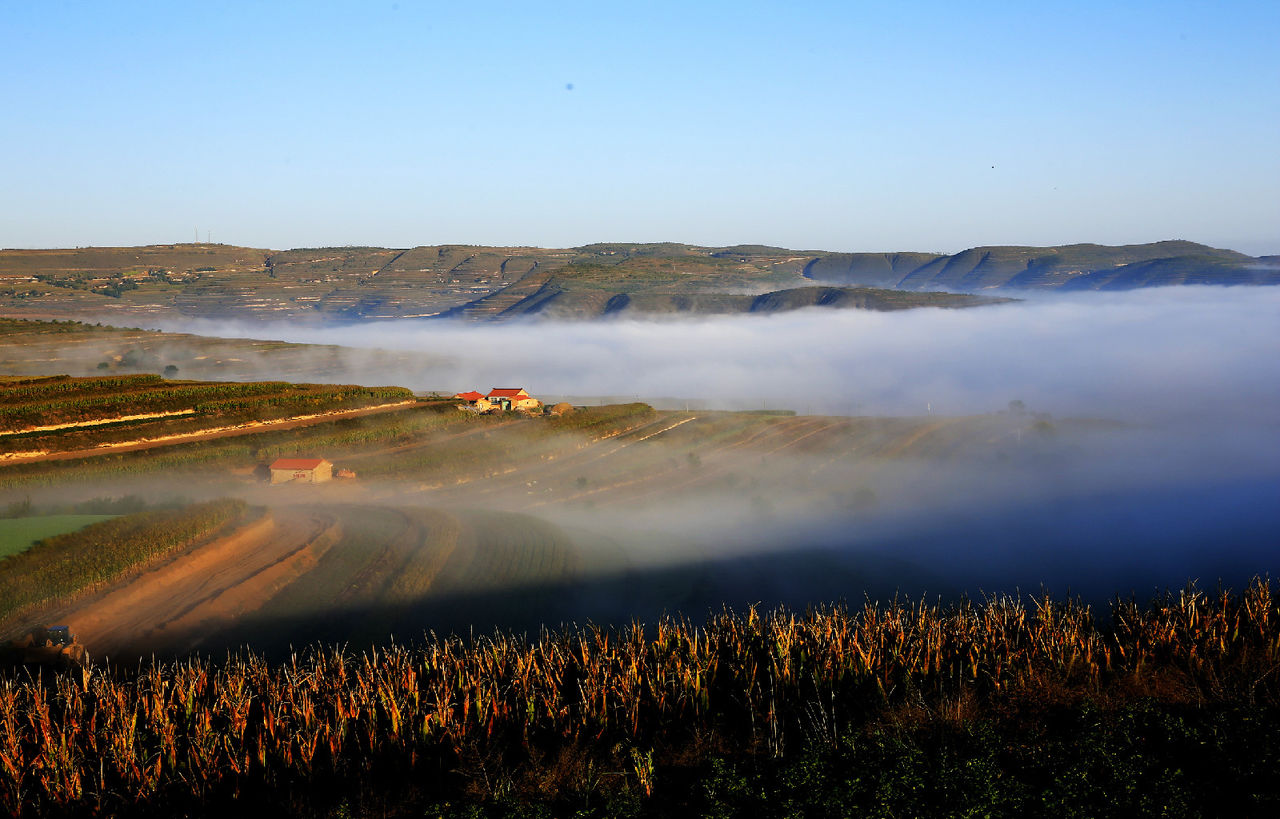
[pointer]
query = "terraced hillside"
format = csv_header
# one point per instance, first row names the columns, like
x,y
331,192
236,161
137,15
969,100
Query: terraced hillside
x,y
360,283
202,280
55,416
37,348
607,454
1070,267
561,295
373,283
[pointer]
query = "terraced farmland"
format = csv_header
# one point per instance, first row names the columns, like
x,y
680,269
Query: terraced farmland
x,y
57,414
613,455
42,348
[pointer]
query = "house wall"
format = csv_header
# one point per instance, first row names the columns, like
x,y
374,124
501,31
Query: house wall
x,y
322,473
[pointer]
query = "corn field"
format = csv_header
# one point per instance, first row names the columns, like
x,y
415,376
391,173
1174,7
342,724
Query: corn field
x,y
196,732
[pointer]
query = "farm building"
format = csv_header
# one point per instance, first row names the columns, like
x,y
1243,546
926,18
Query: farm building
x,y
474,399
512,398
301,470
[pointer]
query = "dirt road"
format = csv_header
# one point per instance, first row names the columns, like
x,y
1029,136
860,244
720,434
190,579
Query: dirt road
x,y
170,607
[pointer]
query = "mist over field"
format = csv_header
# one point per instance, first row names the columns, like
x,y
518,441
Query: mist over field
x,y
1162,353
1092,444
1074,514
1145,451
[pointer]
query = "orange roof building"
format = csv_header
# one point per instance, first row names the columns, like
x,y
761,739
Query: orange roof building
x,y
470,397
509,393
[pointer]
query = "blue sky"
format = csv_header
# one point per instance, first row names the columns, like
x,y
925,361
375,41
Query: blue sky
x,y
836,126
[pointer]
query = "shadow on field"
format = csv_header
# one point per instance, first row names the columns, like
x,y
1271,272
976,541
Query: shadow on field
x,y
1139,542
797,579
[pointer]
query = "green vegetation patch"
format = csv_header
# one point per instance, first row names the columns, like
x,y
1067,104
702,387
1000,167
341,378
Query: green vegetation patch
x,y
19,534
62,567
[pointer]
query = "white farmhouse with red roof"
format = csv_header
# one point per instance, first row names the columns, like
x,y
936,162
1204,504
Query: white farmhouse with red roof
x,y
301,470
512,398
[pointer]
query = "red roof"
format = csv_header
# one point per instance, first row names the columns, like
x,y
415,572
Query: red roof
x,y
297,463
507,392
470,396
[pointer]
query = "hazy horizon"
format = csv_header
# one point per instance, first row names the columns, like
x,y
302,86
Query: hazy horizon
x,y
1275,251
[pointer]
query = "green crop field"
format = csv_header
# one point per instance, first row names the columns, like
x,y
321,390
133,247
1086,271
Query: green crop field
x,y
19,534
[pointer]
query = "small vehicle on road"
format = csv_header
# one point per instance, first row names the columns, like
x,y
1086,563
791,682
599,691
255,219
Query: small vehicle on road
x,y
53,646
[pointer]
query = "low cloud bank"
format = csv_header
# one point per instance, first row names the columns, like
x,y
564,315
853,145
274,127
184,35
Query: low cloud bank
x,y
1149,354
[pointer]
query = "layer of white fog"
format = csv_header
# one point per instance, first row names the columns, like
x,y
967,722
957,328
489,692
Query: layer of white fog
x,y
1142,355
1162,463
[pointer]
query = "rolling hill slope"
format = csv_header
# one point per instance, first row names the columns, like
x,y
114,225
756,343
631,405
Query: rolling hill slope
x,y
488,283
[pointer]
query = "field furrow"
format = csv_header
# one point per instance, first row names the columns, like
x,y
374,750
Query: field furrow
x,y
141,612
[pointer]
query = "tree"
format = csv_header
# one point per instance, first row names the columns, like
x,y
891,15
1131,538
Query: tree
x,y
170,371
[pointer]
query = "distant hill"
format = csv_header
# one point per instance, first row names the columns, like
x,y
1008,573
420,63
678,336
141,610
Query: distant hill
x,y
1076,267
125,285
550,300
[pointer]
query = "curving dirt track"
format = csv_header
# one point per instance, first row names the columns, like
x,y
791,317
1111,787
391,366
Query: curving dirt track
x,y
168,608
329,574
